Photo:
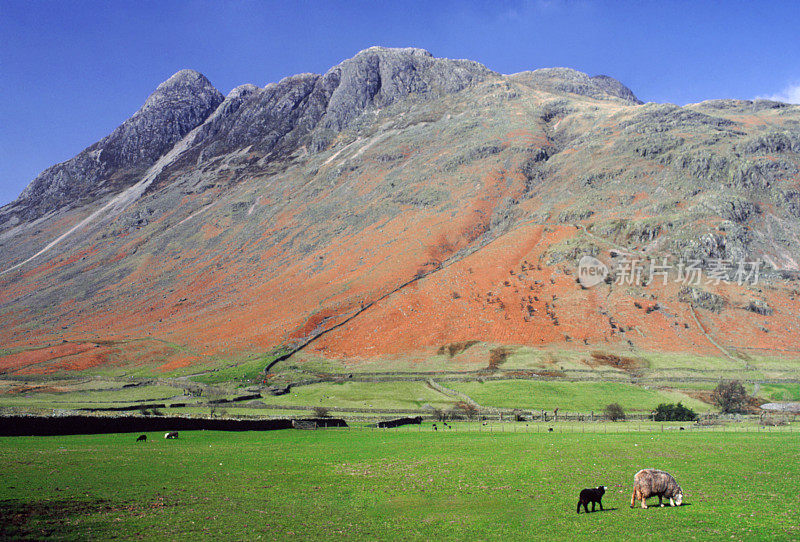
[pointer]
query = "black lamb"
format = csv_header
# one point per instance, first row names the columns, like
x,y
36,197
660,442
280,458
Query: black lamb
x,y
593,495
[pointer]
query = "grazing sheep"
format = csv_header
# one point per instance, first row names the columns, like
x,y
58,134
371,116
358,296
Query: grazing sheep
x,y
653,482
141,438
593,495
171,434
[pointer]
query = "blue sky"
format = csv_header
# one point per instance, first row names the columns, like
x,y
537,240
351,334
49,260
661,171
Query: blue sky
x,y
72,71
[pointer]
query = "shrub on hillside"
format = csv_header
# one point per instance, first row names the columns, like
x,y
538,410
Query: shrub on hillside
x,y
497,356
674,413
615,412
456,348
321,412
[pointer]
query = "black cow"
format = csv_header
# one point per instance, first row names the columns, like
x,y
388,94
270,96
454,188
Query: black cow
x,y
142,438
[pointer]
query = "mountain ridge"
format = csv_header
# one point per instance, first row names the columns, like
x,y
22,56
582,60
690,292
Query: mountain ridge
x,y
399,203
177,105
55,182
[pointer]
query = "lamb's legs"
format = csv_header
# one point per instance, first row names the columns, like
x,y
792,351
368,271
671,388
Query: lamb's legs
x,y
661,501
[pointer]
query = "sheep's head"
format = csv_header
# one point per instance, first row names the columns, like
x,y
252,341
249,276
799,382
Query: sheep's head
x,y
679,498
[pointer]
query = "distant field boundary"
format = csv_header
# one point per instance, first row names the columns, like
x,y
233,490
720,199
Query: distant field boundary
x,y
590,376
91,425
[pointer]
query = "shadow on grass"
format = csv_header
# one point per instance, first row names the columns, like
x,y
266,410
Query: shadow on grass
x,y
598,510
41,519
36,520
666,505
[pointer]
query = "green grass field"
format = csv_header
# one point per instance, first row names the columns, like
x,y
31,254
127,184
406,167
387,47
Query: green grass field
x,y
571,396
414,395
91,398
367,485
780,392
399,395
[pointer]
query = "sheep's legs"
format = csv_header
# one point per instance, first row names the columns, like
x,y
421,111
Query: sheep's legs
x,y
636,495
661,501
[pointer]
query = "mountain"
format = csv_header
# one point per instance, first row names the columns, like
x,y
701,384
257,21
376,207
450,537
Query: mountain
x,y
398,208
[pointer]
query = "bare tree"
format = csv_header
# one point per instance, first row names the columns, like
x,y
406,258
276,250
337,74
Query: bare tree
x,y
469,410
730,396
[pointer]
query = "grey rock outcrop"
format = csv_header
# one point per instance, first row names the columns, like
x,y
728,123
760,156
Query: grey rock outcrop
x,y
311,109
614,88
378,76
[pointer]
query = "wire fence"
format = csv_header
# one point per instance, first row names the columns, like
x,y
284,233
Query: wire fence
x,y
574,428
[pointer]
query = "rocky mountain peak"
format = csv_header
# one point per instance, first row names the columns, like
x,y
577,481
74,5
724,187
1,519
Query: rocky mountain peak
x,y
242,90
178,105
188,84
379,50
615,88
310,109
380,75
567,80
